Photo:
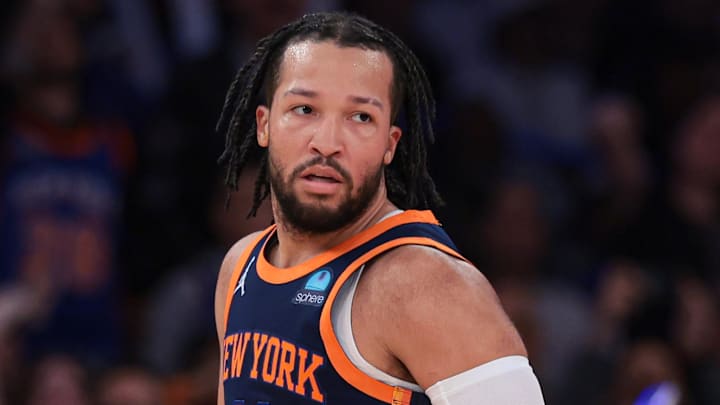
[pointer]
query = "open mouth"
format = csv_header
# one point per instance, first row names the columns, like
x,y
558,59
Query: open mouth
x,y
321,174
323,179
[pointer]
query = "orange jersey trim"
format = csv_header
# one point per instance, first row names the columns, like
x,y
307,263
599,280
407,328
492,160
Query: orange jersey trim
x,y
339,360
275,275
238,269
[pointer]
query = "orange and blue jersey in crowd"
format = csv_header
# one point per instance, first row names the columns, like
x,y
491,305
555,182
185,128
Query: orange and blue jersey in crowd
x,y
280,347
61,193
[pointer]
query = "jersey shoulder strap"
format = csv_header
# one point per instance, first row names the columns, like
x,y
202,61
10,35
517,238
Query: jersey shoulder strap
x,y
242,262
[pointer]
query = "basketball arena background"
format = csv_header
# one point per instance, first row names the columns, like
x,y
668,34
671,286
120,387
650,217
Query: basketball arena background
x,y
578,151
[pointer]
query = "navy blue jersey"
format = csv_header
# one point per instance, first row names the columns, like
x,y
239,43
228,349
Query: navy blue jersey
x,y
280,347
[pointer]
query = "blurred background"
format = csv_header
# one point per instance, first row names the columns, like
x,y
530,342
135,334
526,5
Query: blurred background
x,y
578,152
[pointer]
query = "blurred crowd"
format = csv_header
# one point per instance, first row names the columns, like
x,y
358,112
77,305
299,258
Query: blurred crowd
x,y
578,152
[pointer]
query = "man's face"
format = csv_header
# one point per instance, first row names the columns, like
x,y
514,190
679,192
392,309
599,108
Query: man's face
x,y
329,134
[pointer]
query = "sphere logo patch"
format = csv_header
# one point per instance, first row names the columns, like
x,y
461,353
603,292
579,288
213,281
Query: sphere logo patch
x,y
315,289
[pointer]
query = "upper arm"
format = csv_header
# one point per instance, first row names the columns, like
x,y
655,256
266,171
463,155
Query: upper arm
x,y
440,315
221,290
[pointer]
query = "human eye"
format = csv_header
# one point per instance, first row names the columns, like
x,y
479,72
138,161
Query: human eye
x,y
303,110
361,117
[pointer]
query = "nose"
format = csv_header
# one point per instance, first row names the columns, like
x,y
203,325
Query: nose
x,y
327,138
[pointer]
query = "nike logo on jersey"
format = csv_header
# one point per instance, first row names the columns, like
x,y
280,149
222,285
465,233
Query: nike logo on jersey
x,y
241,282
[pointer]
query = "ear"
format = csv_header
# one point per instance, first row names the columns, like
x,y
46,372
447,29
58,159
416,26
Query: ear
x,y
394,138
262,119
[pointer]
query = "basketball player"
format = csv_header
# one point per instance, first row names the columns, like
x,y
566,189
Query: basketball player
x,y
356,295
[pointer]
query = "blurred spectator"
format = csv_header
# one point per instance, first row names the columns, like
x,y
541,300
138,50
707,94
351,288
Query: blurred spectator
x,y
638,316
197,385
13,369
663,53
541,97
679,229
623,288
253,19
195,27
625,178
177,317
180,148
515,232
115,82
551,314
644,364
61,192
60,380
145,57
696,333
129,386
468,157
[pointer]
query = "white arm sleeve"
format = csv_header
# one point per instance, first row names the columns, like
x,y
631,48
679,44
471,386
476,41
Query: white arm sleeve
x,y
505,381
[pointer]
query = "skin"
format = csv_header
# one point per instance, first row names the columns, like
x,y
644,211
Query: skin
x,y
348,120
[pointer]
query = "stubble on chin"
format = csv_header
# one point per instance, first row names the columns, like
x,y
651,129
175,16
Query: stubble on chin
x,y
318,217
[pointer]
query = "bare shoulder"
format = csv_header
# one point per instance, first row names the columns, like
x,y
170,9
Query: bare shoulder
x,y
225,274
419,266
436,314
420,275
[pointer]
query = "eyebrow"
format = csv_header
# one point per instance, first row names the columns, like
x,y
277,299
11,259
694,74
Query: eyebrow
x,y
299,91
366,100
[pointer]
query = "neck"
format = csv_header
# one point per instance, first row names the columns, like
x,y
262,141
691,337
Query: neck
x,y
295,247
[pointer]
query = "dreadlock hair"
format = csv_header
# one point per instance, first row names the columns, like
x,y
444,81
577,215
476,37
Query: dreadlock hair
x,y
408,182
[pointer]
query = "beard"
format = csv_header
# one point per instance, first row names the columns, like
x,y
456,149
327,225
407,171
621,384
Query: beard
x,y
317,217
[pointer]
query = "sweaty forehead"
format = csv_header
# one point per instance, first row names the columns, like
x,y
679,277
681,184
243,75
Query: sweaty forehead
x,y
327,62
305,52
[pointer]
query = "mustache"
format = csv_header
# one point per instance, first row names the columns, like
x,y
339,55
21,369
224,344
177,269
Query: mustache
x,y
322,161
